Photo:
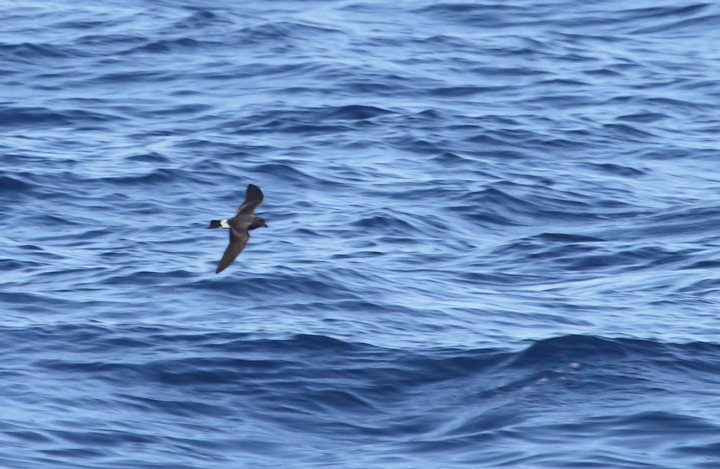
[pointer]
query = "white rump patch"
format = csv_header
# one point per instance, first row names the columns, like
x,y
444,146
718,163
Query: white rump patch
x,y
224,224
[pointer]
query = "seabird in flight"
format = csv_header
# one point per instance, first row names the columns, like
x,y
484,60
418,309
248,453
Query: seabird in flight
x,y
244,221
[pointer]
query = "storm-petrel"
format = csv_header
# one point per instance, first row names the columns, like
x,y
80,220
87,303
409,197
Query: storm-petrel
x,y
239,226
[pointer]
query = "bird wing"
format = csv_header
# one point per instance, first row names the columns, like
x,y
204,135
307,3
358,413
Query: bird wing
x,y
253,198
237,243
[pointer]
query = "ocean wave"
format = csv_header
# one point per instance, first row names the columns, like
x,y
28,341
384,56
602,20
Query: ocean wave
x,y
491,235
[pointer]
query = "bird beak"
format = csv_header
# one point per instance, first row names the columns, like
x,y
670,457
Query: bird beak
x,y
265,225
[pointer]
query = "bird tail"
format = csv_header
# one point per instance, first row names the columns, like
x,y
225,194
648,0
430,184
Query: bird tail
x,y
215,224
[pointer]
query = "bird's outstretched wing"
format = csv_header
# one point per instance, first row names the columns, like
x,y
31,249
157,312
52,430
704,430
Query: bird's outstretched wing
x,y
253,198
237,243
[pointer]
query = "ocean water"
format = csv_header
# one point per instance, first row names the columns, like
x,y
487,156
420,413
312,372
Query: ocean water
x,y
493,234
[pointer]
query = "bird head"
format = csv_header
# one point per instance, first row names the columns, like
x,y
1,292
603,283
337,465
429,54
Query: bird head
x,y
258,222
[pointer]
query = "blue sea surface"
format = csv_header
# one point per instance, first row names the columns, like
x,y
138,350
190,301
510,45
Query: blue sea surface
x,y
494,234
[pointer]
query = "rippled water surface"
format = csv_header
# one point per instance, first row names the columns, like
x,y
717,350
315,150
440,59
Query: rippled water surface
x,y
493,234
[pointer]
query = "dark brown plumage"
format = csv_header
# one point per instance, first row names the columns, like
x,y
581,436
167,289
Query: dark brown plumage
x,y
244,221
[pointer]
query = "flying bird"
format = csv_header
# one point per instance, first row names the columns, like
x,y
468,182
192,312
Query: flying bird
x,y
244,221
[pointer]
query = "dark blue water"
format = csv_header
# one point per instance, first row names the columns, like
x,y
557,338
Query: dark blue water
x,y
494,235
